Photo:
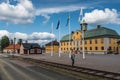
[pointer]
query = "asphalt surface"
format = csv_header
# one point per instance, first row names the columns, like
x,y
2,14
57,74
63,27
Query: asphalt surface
x,y
11,69
108,62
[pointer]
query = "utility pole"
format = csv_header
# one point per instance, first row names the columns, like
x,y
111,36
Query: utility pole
x,y
14,44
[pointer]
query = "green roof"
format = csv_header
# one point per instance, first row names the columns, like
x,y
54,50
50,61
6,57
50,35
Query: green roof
x,y
66,37
98,32
101,32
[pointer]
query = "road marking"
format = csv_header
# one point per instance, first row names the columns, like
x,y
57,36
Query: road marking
x,y
40,74
19,71
7,74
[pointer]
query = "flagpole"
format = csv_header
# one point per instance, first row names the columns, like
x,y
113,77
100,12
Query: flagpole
x,y
83,33
69,36
52,40
59,43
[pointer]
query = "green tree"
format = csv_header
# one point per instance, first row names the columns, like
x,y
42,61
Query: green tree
x,y
4,42
19,41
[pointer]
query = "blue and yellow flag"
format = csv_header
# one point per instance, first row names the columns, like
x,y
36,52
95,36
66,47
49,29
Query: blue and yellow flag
x,y
58,24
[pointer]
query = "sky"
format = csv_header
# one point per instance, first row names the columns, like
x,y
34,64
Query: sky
x,y
32,20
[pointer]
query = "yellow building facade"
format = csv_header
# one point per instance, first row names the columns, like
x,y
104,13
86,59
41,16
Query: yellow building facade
x,y
97,41
118,46
52,47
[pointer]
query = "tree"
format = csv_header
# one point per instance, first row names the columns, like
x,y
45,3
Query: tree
x,y
4,42
19,41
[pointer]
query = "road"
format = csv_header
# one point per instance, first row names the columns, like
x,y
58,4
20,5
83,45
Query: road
x,y
12,69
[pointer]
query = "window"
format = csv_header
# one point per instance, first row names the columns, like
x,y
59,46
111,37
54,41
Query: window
x,y
85,48
102,41
90,41
67,48
96,48
110,48
90,48
102,48
95,41
67,43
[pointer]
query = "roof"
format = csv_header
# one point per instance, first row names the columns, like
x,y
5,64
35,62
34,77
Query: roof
x,y
30,45
101,32
17,46
53,43
66,37
98,32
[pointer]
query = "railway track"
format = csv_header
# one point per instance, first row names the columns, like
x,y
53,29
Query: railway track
x,y
104,74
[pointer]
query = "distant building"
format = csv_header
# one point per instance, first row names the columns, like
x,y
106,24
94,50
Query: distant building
x,y
11,48
52,46
98,41
30,48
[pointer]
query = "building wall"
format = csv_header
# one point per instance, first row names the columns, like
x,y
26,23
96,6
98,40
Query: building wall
x,y
21,49
55,48
119,48
9,50
99,45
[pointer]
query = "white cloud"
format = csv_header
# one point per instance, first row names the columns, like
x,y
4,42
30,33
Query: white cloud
x,y
22,13
4,32
35,37
46,11
19,35
103,17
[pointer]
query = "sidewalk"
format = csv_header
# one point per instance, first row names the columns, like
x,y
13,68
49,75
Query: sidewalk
x,y
109,62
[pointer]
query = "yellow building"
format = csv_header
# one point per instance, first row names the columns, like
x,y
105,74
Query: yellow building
x,y
118,46
52,47
100,40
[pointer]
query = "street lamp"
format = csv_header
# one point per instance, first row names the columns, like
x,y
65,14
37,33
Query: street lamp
x,y
83,29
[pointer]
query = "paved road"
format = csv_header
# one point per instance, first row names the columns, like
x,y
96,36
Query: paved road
x,y
11,69
109,62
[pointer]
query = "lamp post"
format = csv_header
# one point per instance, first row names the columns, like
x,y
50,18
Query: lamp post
x,y
14,44
83,25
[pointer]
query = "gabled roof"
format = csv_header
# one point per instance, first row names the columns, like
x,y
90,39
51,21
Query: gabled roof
x,y
101,32
52,43
17,46
30,45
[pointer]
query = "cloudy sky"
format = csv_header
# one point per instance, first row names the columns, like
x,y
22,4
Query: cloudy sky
x,y
32,19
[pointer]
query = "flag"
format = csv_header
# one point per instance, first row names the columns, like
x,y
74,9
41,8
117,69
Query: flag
x,y
68,20
58,24
81,14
